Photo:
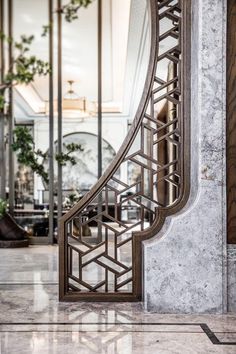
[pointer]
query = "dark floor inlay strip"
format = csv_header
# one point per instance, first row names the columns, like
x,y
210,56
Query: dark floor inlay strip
x,y
213,337
30,283
203,326
84,331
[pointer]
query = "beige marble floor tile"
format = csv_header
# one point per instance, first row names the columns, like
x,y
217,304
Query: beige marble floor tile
x,y
32,321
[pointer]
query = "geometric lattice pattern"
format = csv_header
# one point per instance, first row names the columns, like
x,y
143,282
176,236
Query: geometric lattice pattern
x,y
99,236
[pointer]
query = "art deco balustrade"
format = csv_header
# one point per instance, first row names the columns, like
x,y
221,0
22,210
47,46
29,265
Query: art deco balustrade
x,y
122,212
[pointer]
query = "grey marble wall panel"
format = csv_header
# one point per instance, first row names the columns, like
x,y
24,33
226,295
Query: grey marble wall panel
x,y
232,278
185,264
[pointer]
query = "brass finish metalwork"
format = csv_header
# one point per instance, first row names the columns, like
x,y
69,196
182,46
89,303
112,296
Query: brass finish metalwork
x,y
59,108
231,122
157,149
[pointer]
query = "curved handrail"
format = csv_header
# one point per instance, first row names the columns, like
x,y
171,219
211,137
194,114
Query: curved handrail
x,y
115,164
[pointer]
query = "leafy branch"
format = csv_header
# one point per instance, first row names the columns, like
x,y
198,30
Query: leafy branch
x,y
24,146
24,68
3,207
63,158
71,9
46,29
26,154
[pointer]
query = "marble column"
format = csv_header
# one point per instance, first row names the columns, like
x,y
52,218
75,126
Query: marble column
x,y
231,262
185,264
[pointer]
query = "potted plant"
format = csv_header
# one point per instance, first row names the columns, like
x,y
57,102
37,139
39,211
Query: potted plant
x,y
10,231
3,208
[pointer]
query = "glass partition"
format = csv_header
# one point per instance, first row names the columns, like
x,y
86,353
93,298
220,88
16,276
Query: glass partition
x,y
124,46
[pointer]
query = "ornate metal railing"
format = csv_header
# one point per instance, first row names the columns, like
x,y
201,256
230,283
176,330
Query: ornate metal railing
x,y
121,213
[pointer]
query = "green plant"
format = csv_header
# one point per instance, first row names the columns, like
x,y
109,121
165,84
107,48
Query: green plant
x,y
24,68
74,198
65,157
70,12
24,146
71,9
3,207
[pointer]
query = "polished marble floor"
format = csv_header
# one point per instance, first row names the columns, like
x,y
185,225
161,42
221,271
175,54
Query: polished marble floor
x,y
33,321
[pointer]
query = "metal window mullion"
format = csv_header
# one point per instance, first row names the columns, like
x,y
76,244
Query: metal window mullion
x,y
2,116
59,98
11,173
99,39
99,88
51,125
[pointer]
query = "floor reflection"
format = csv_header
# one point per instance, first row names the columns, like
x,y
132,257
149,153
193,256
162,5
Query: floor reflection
x,y
32,321
108,343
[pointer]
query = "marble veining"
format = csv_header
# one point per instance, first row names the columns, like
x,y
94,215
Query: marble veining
x,y
29,265
112,343
185,264
231,278
32,321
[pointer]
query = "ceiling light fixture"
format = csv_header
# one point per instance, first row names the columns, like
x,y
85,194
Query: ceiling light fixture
x,y
72,101
71,95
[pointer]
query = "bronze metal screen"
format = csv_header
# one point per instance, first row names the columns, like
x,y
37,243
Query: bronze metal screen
x,y
121,213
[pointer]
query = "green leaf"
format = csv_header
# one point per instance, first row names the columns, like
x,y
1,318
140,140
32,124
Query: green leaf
x,y
24,146
3,207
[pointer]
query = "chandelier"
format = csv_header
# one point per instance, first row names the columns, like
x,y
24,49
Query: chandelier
x,y
73,104
72,101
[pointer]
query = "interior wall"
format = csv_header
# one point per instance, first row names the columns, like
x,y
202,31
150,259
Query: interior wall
x,y
114,131
185,264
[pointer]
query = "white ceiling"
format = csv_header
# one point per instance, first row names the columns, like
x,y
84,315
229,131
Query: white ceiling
x,y
124,24
80,45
